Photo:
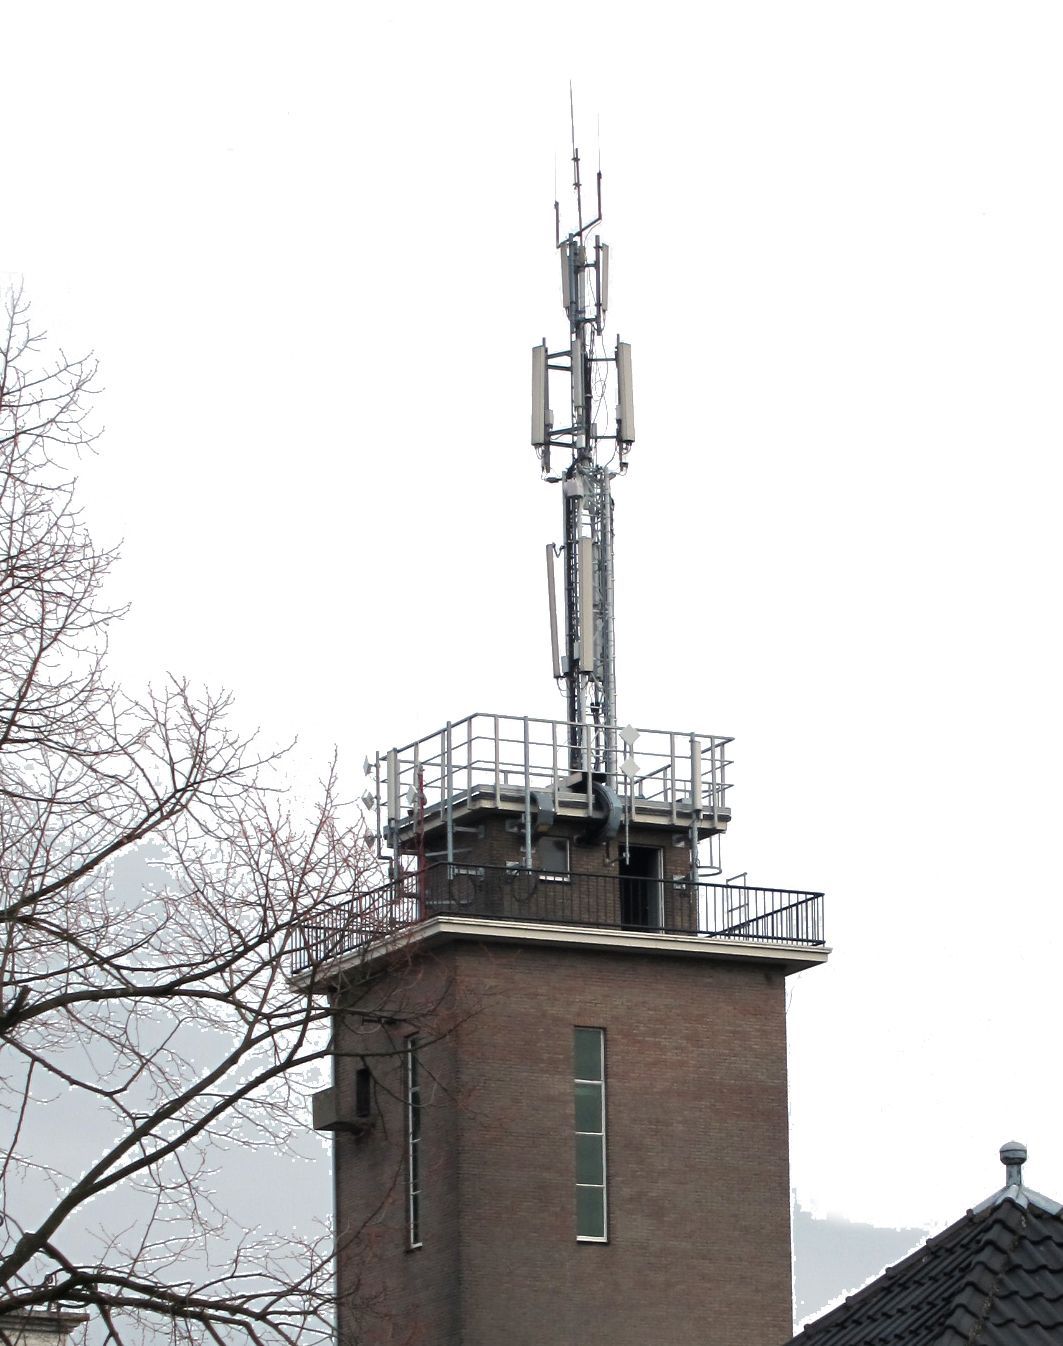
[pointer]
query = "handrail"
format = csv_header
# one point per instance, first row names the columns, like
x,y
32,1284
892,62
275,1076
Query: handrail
x,y
720,739
600,901
683,773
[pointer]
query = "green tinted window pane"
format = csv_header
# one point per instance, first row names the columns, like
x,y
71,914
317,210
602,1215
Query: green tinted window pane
x,y
588,1107
589,1157
588,1054
590,1212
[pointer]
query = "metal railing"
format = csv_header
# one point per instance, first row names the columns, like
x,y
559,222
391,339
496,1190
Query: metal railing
x,y
492,755
716,911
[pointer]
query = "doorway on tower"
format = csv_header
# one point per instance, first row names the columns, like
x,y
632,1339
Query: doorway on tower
x,y
640,888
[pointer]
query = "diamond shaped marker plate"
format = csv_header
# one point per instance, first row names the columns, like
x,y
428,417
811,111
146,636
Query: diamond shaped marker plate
x,y
629,766
629,734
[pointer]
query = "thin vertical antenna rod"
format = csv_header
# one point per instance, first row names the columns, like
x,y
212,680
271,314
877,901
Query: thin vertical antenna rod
x,y
597,454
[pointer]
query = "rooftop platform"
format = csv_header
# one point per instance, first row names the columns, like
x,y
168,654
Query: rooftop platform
x,y
547,771
609,911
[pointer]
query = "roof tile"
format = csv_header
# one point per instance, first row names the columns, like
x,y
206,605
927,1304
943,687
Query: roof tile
x,y
994,1278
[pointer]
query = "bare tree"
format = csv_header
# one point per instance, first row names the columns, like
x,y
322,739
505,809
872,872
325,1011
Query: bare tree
x,y
167,1012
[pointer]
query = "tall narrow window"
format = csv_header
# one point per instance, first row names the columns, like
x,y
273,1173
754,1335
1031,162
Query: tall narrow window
x,y
413,1146
363,1094
591,1211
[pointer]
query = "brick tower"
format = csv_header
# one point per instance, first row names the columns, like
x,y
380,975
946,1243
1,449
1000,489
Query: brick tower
x,y
559,1097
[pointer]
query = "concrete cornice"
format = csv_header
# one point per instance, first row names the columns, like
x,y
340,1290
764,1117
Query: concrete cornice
x,y
443,929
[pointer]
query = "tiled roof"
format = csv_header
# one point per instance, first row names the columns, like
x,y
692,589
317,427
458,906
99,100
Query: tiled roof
x,y
994,1278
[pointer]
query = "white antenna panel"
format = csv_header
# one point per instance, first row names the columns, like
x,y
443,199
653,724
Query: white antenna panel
x,y
393,786
603,279
540,420
566,276
577,378
625,407
695,775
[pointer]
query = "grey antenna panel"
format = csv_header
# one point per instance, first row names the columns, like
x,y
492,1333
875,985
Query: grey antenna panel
x,y
625,406
540,421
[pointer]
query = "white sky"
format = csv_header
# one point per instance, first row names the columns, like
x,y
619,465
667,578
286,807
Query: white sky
x,y
312,247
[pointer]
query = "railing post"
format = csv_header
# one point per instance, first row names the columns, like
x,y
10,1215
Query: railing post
x,y
527,799
715,783
695,774
448,749
671,777
719,788
588,767
418,826
553,766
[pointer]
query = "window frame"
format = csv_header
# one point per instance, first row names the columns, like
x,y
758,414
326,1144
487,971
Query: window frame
x,y
603,1186
556,875
414,1168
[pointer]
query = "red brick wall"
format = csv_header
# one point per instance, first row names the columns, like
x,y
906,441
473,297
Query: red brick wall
x,y
497,846
699,1248
496,842
389,1295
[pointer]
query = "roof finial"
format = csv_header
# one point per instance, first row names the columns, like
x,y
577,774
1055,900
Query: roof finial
x,y
1013,1156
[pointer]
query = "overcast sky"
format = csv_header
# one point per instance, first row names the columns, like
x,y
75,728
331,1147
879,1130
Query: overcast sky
x,y
312,246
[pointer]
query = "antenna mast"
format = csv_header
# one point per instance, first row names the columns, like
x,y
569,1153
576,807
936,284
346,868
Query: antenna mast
x,y
596,454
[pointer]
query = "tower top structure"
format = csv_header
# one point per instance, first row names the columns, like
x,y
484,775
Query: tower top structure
x,y
471,816
596,454
582,850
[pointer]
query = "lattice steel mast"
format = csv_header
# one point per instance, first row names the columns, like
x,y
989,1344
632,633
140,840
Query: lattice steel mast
x,y
588,664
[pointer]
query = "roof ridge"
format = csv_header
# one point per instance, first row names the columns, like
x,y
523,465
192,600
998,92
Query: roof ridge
x,y
922,1253
993,1259
993,1276
1022,1196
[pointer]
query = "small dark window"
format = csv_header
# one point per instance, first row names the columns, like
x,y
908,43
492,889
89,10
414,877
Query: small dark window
x,y
363,1093
553,855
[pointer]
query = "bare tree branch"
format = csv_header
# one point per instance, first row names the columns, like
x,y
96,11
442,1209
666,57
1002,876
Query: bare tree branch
x,y
160,1018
